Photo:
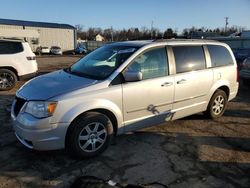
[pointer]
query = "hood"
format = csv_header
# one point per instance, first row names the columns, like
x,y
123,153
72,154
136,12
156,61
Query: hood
x,y
53,84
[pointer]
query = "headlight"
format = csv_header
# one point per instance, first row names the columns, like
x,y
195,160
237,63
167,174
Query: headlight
x,y
40,109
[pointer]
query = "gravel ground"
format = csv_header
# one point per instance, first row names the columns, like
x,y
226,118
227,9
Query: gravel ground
x,y
191,152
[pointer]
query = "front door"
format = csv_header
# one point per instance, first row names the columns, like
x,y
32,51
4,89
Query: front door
x,y
149,101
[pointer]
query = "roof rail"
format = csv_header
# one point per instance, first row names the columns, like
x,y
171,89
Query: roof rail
x,y
182,40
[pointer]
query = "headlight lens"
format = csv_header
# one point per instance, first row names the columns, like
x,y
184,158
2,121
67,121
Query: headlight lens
x,y
40,109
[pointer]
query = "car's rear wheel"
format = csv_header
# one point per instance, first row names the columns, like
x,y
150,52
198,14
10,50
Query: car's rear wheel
x,y
90,135
8,79
217,104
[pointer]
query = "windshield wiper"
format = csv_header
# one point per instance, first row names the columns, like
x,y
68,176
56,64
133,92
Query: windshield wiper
x,y
68,69
81,74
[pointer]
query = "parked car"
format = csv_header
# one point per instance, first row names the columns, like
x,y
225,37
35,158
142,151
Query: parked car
x,y
245,71
56,50
144,83
17,62
241,54
43,50
81,50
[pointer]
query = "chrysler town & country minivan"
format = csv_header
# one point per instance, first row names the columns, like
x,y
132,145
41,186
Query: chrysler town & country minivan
x,y
123,87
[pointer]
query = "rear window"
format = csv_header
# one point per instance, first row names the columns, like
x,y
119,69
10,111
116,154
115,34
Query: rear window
x,y
10,47
189,58
219,55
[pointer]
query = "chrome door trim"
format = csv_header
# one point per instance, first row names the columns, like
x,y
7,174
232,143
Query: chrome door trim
x,y
149,106
189,98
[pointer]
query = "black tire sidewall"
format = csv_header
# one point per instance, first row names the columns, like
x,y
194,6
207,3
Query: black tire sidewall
x,y
79,124
13,75
210,106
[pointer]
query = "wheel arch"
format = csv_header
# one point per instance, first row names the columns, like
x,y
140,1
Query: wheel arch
x,y
104,111
222,85
11,69
225,89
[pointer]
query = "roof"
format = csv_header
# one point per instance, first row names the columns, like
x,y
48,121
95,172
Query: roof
x,y
35,24
135,43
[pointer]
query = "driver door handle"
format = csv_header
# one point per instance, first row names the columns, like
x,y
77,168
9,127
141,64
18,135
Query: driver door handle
x,y
166,84
182,81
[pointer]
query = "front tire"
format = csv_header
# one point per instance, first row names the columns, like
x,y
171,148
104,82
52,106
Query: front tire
x,y
90,135
217,104
8,79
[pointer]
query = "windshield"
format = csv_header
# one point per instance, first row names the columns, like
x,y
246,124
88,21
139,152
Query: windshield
x,y
102,62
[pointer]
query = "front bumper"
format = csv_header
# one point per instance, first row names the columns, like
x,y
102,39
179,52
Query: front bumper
x,y
57,52
39,134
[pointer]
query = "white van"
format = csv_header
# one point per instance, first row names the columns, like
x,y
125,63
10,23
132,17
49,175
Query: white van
x,y
123,87
17,62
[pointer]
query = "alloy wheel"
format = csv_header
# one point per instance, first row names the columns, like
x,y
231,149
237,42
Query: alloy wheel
x,y
6,80
92,137
218,104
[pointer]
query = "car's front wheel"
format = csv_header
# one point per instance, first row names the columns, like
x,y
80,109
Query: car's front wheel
x,y
90,135
8,79
217,104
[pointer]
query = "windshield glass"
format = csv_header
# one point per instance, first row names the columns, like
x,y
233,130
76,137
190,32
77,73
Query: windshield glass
x,y
102,62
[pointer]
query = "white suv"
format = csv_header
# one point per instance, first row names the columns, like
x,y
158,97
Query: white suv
x,y
17,62
123,87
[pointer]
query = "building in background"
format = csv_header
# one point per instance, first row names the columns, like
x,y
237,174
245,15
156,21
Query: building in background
x,y
40,33
99,38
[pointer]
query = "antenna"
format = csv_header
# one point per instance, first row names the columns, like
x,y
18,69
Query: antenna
x,y
111,32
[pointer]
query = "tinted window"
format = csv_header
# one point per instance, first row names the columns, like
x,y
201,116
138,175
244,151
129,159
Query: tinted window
x,y
10,47
189,58
219,56
151,64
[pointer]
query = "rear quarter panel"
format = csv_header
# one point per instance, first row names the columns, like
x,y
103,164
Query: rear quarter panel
x,y
225,76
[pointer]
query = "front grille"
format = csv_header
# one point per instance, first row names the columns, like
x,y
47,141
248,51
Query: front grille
x,y
18,105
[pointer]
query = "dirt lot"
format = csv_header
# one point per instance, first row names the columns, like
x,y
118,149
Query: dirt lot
x,y
191,152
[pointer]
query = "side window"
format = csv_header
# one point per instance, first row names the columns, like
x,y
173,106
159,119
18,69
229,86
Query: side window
x,y
219,56
10,47
151,64
189,58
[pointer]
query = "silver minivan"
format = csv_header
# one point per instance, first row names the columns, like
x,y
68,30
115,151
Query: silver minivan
x,y
123,87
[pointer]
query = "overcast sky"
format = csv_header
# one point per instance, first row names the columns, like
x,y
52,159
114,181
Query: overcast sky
x,y
131,13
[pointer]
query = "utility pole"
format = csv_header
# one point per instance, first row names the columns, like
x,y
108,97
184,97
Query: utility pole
x,y
111,32
226,19
152,26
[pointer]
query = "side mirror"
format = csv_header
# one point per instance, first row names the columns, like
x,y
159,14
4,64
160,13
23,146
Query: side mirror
x,y
132,76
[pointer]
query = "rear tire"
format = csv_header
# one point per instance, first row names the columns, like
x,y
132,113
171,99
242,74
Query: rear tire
x,y
217,105
90,135
8,79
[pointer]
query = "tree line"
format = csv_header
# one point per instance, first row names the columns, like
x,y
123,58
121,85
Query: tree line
x,y
145,33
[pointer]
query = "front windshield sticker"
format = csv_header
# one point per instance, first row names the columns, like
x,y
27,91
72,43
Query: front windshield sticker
x,y
129,50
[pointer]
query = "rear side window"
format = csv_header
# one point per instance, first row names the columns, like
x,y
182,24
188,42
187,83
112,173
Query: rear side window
x,y
189,58
219,55
10,47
